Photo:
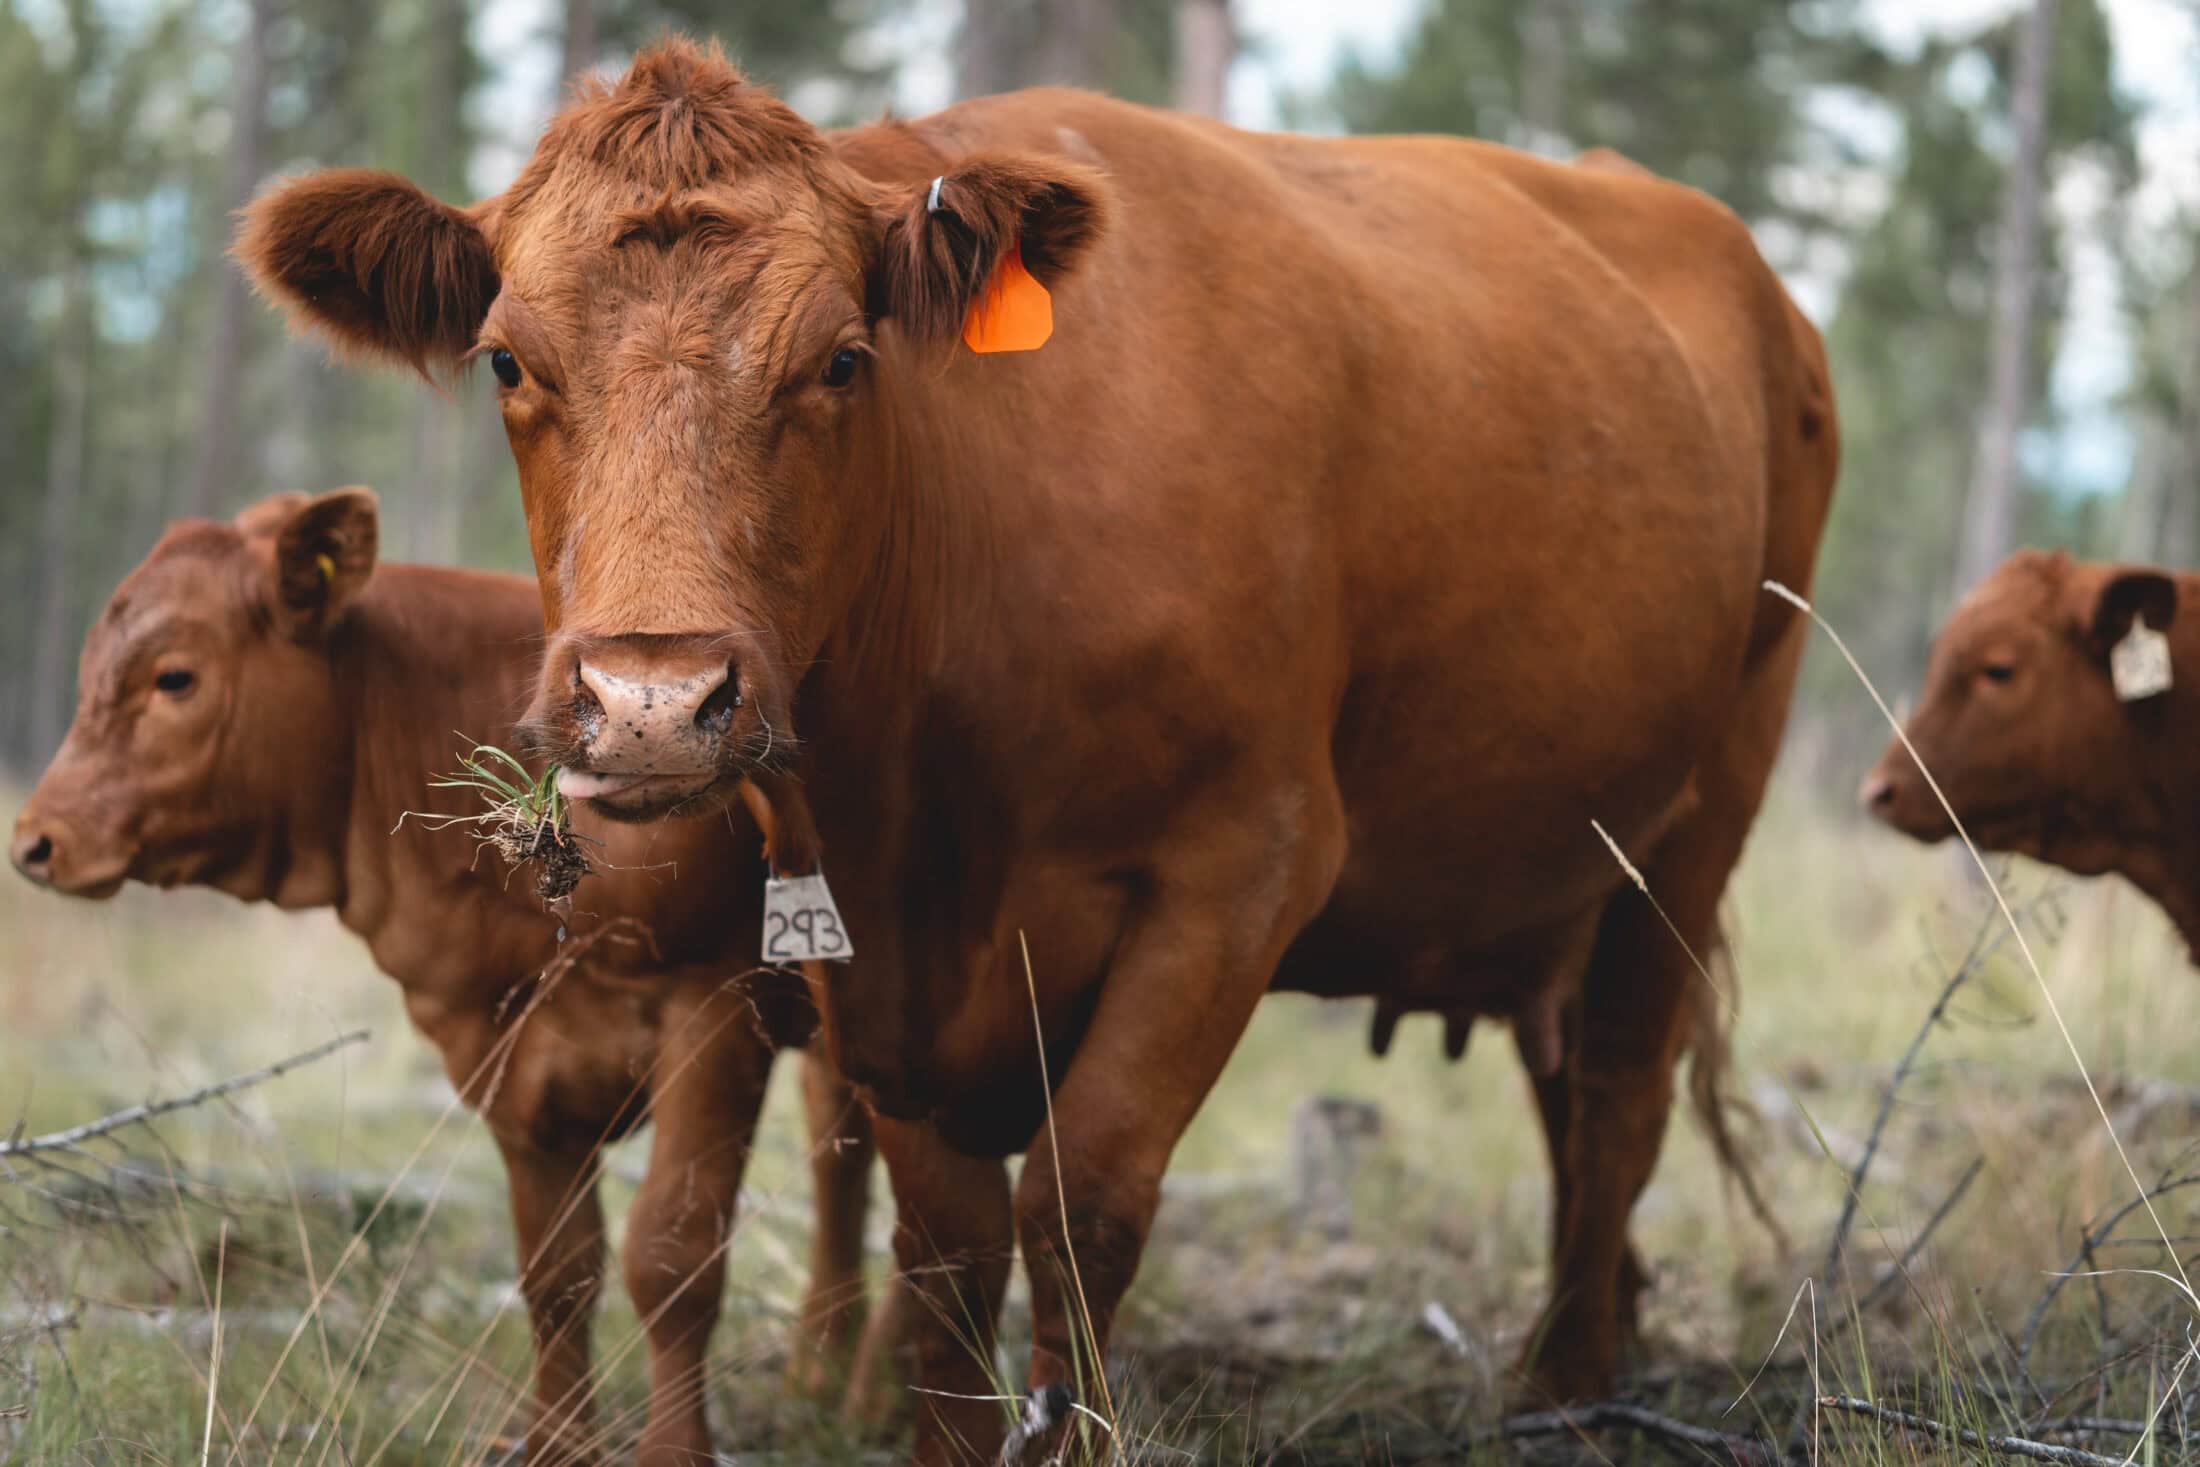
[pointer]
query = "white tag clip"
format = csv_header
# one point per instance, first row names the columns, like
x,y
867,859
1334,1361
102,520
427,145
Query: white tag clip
x,y
801,922
2139,664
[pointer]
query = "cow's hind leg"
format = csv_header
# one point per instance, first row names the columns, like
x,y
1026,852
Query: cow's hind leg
x,y
705,1092
1554,1106
559,1228
1636,1020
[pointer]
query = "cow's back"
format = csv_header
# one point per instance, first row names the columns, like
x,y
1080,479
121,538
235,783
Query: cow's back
x,y
1467,454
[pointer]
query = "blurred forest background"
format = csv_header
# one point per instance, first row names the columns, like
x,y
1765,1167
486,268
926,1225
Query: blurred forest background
x,y
1997,231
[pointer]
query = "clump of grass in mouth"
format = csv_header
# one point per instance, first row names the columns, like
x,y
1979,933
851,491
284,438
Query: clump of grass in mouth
x,y
526,820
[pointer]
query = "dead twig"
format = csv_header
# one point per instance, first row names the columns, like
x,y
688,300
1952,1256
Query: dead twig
x,y
1989,941
1694,1441
2093,1426
2093,1239
73,1139
2006,1446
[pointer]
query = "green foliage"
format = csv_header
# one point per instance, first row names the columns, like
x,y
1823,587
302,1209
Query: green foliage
x,y
1909,337
1705,91
508,789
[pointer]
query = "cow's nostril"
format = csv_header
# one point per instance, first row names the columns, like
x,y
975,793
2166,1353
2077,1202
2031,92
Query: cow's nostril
x,y
33,855
1877,793
716,714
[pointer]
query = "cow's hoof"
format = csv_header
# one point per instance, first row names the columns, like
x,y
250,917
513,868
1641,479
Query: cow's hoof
x,y
1031,1440
1560,1376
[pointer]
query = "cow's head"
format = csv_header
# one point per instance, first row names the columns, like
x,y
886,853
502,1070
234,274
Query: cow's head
x,y
697,313
207,711
2020,723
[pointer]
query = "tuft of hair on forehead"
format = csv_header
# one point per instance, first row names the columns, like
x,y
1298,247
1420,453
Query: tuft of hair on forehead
x,y
681,117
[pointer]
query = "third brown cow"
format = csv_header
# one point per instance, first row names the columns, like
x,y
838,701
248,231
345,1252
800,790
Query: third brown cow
x,y
2044,745
1372,516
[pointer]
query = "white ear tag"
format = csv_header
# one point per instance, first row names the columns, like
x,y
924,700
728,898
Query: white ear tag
x,y
801,922
2139,664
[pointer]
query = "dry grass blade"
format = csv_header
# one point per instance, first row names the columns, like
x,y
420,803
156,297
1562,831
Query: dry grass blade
x,y
1061,1198
214,1355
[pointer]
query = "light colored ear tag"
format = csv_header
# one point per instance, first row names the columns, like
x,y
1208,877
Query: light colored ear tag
x,y
1014,313
326,565
801,922
2139,664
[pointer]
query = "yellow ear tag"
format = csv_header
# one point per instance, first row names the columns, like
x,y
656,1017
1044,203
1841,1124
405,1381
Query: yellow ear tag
x,y
327,568
1014,313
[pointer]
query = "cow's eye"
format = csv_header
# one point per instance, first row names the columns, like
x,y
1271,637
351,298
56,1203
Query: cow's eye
x,y
841,370
175,680
506,366
1998,672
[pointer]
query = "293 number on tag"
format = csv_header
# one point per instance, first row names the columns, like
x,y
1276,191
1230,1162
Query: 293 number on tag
x,y
801,922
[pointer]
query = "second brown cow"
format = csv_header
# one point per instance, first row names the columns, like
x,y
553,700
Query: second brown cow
x,y
258,706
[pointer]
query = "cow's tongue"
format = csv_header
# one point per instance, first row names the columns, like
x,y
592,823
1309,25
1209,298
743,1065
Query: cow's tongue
x,y
586,784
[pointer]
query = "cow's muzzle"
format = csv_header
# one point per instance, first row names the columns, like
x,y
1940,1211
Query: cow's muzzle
x,y
46,853
646,725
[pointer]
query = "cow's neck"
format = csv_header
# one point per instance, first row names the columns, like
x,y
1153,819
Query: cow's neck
x,y
423,898
891,800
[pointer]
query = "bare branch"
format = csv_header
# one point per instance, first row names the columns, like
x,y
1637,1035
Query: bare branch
x,y
2006,1446
74,1138
1579,1420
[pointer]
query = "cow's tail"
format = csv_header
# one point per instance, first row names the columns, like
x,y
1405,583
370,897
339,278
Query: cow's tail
x,y
1713,1007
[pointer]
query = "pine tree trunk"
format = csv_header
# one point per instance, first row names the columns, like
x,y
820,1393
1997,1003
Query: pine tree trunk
x,y
50,681
580,42
1543,37
1074,43
217,457
2180,544
436,505
993,36
1205,47
1990,509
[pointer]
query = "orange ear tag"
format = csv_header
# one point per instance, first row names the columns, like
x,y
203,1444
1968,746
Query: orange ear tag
x,y
1014,314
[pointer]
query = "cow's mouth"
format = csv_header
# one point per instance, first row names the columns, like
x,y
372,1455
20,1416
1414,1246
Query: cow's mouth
x,y
635,798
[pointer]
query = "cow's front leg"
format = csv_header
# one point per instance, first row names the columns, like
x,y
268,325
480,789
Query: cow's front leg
x,y
559,1228
841,1152
1174,1005
705,1092
953,1238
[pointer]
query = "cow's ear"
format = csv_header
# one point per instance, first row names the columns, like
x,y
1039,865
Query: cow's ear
x,y
943,238
2126,596
266,519
324,556
372,263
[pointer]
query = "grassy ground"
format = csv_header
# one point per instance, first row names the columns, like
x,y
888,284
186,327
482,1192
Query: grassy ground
x,y
1254,1334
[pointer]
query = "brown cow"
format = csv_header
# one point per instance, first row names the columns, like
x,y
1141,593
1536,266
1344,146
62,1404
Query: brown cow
x,y
1382,512
2022,726
258,706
